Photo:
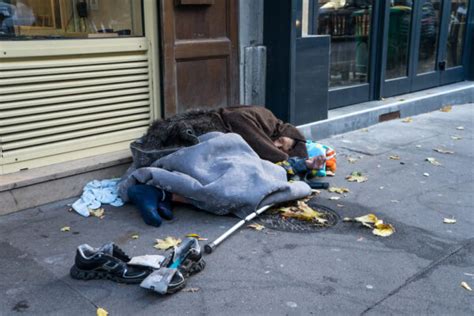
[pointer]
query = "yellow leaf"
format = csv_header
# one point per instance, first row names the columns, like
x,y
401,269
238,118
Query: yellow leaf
x,y
356,177
443,151
466,286
196,236
97,213
382,229
446,108
352,160
433,161
339,190
256,227
167,243
368,219
102,312
449,221
302,212
66,229
407,120
394,157
135,236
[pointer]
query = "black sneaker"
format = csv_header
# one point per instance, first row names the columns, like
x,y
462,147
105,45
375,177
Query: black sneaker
x,y
187,258
108,262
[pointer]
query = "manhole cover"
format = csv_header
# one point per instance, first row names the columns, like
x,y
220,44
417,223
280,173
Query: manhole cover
x,y
272,219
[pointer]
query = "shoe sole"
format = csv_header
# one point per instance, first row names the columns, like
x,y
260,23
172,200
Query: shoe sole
x,y
87,275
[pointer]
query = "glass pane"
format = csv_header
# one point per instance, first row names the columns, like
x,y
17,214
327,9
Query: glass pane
x,y
456,30
49,19
398,39
348,22
430,17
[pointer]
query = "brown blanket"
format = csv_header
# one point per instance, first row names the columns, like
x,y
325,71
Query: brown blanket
x,y
259,128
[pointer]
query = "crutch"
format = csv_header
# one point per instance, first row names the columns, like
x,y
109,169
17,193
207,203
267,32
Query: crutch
x,y
211,246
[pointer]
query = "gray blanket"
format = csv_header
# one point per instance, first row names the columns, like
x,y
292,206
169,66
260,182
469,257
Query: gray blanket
x,y
220,175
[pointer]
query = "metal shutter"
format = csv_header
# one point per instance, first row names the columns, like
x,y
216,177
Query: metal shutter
x,y
67,103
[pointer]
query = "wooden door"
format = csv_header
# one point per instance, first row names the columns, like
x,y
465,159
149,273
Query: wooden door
x,y
200,56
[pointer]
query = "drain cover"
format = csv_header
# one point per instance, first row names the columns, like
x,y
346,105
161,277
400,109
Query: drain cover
x,y
272,219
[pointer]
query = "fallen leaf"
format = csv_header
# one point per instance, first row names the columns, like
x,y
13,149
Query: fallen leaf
x,y
356,176
433,161
367,219
347,219
455,137
351,159
426,174
102,312
383,230
191,289
66,229
97,213
407,120
449,221
334,198
135,236
466,286
197,237
364,130
256,227
315,191
394,157
338,190
302,212
443,151
460,128
446,108
339,205
167,243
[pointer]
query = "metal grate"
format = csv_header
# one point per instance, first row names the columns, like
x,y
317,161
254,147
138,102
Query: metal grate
x,y
272,219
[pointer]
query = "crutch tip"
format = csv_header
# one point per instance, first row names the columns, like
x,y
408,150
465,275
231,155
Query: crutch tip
x,y
209,248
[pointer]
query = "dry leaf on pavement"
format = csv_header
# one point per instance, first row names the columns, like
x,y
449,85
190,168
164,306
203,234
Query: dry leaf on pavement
x,y
394,157
102,312
433,161
356,176
197,237
167,243
466,286
97,213
338,190
66,229
256,226
135,236
383,230
443,151
302,212
352,160
455,137
407,120
449,221
446,108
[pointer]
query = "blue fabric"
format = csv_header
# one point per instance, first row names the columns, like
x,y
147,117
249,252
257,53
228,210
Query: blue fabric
x,y
96,193
146,198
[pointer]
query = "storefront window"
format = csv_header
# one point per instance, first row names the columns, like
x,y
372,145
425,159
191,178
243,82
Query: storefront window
x,y
349,24
456,31
50,19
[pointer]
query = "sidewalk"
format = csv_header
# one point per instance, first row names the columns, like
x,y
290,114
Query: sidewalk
x,y
344,270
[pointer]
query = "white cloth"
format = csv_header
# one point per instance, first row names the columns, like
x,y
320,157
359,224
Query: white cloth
x,y
96,193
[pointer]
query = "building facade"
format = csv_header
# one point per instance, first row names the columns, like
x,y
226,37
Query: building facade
x,y
85,77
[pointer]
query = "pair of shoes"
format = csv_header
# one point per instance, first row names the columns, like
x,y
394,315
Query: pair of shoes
x,y
153,203
108,262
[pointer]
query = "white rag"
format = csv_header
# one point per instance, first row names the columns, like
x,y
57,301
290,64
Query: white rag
x,y
96,193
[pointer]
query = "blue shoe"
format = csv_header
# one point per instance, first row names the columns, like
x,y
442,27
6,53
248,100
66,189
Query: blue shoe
x,y
146,198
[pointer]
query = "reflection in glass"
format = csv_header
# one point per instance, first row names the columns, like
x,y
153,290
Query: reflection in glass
x,y
457,28
430,16
348,22
398,39
46,19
